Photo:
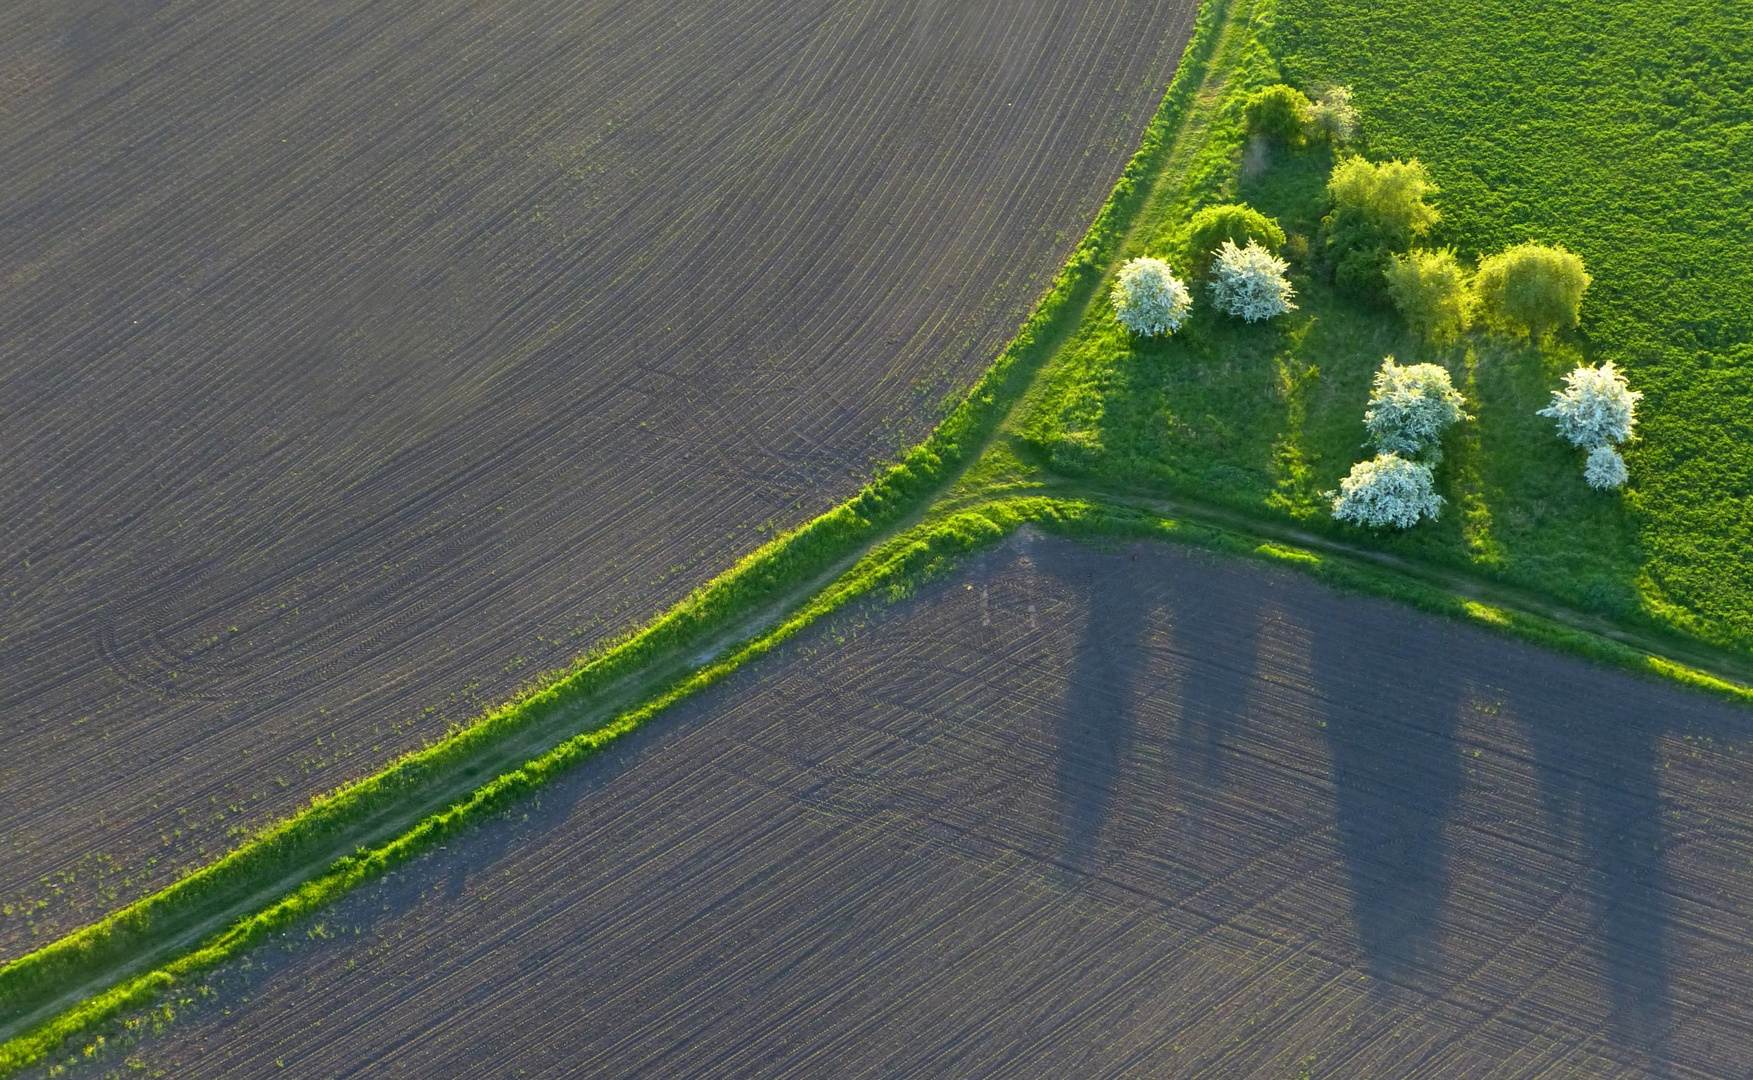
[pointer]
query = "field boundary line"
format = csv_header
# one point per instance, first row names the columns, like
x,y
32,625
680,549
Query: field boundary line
x,y
1083,511
83,979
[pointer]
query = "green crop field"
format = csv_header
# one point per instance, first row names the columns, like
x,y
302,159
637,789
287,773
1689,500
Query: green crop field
x,y
1619,130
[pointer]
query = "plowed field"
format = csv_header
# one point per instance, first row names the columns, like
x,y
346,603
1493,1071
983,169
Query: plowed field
x,y
363,358
1070,814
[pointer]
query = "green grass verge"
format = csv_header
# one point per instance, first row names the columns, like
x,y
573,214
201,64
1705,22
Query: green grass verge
x,y
136,950
1617,129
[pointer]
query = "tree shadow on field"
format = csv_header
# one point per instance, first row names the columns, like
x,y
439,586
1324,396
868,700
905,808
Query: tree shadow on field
x,y
1217,635
1392,705
1097,724
1596,743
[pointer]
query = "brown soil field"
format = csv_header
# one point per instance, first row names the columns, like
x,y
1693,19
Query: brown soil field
x,y
1141,813
364,358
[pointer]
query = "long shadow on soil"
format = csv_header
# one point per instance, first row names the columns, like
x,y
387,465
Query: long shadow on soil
x,y
1097,725
1596,766
1596,754
1213,633
1217,639
1391,720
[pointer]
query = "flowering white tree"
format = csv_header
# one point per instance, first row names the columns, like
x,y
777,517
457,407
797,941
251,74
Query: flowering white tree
x,y
1410,408
1332,115
1249,282
1605,469
1149,299
1388,492
1595,408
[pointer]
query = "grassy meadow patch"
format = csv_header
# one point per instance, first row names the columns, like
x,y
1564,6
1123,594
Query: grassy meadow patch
x,y
1620,131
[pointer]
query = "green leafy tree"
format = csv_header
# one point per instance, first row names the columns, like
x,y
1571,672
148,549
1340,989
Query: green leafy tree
x,y
1278,112
1532,288
1378,212
1432,291
1393,193
1238,223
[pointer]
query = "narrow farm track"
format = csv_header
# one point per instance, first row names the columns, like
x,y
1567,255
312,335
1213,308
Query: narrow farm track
x,y
1148,812
364,358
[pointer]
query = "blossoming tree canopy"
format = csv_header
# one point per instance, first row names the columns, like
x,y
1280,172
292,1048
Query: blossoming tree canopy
x,y
1387,492
1149,299
1595,408
1410,408
1249,282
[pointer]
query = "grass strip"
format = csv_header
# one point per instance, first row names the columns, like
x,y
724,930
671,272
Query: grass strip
x,y
117,949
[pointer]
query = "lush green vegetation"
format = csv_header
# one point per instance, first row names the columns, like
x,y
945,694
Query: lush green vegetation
x,y
1619,132
1253,421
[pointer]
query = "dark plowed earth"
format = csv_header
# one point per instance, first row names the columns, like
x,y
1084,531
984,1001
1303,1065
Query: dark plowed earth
x,y
363,358
1141,814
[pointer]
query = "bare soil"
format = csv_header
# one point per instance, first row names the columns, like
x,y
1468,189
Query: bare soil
x,y
1141,813
364,358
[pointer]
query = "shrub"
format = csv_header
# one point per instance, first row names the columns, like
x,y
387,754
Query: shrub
x,y
1431,291
1278,112
1388,492
1532,287
1392,193
1605,469
1378,210
1149,299
1235,222
1595,408
1332,117
1410,408
1249,282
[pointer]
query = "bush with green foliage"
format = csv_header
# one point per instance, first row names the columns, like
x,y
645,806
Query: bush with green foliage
x,y
1249,283
1149,299
1596,407
1332,117
1605,469
1278,112
1432,291
1237,223
1387,492
1410,408
1393,193
1532,288
1378,211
